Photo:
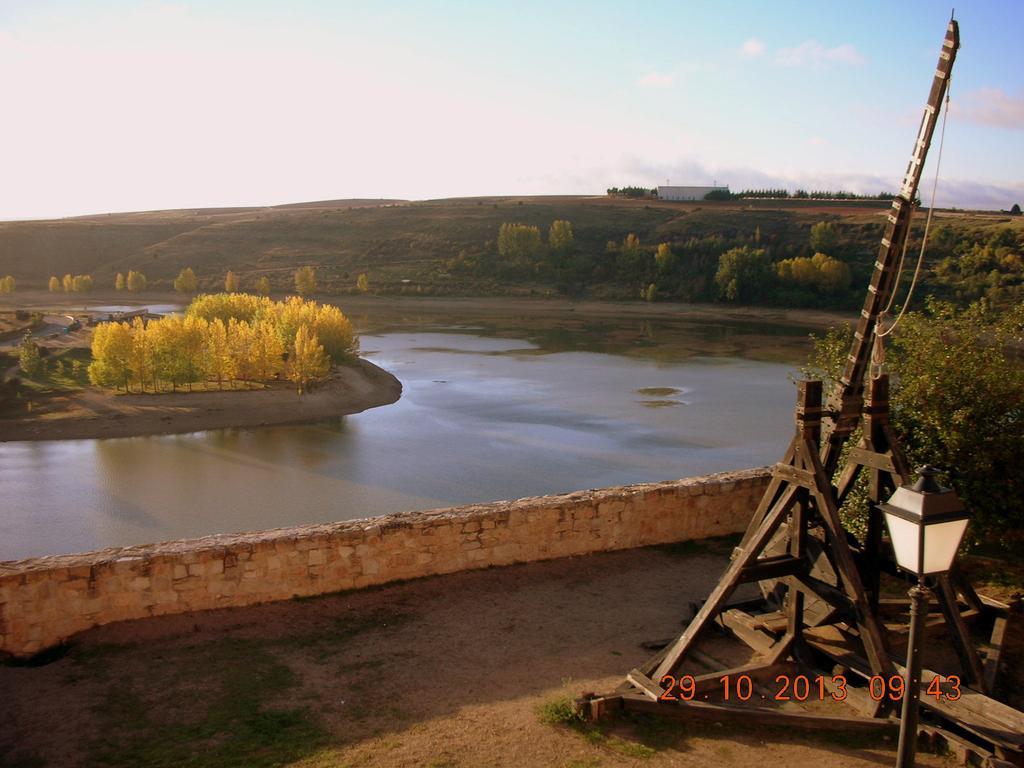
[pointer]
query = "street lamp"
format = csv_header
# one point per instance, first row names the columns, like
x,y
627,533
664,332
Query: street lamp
x,y
926,523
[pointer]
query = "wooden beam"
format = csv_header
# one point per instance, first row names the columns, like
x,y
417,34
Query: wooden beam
x,y
742,714
872,459
871,632
746,628
726,586
773,567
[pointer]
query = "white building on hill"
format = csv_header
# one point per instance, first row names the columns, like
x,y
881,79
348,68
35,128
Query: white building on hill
x,y
687,193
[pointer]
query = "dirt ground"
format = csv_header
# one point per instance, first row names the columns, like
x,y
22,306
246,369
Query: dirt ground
x,y
471,669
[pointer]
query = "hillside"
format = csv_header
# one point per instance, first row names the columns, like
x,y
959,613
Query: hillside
x,y
439,247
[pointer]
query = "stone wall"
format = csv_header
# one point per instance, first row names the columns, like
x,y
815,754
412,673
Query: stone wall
x,y
44,601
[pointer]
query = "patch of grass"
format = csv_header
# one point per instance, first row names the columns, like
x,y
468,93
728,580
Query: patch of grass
x,y
582,762
64,372
559,711
215,708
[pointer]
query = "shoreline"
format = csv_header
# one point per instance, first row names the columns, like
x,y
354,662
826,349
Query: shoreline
x,y
352,304
95,414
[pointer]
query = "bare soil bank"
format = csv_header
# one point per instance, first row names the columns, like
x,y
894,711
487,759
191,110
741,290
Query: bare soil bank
x,y
353,305
96,414
547,306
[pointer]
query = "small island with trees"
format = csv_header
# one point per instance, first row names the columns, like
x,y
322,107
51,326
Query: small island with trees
x,y
230,360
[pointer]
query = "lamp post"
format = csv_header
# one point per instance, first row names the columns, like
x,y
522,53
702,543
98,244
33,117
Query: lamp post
x,y
926,523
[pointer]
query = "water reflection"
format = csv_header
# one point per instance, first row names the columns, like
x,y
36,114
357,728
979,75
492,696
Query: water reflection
x,y
492,408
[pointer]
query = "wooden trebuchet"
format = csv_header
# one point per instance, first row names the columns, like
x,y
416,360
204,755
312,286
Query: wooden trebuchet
x,y
822,608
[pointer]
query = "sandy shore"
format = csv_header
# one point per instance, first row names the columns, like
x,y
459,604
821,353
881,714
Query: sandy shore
x,y
553,307
97,414
479,305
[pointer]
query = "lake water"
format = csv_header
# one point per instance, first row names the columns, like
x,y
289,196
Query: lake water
x,y
493,408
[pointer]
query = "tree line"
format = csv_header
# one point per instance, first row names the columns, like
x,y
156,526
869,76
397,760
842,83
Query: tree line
x,y
71,284
226,338
733,268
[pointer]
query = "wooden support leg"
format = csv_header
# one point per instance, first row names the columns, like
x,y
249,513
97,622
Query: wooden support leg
x,y
960,634
713,606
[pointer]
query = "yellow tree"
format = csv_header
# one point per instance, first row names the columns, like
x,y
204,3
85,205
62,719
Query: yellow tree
x,y
141,362
218,363
363,282
335,332
193,349
111,356
560,237
263,286
230,282
69,283
54,284
8,284
305,280
268,351
118,282
166,338
241,343
186,281
663,257
308,361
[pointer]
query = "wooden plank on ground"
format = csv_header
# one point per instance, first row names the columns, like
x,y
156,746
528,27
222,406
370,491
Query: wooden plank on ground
x,y
700,710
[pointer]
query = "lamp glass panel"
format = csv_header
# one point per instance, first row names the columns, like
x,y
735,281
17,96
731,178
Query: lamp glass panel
x,y
905,541
941,541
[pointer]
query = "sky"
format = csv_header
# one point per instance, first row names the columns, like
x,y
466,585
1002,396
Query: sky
x,y
118,106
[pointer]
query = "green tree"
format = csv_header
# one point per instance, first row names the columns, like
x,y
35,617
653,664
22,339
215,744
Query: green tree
x,y
1015,210
305,280
29,359
824,237
519,243
186,281
744,274
119,284
136,281
308,361
54,284
363,282
957,402
651,292
630,247
263,286
231,282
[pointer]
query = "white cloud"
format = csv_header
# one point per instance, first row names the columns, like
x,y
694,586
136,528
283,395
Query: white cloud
x,y
990,106
816,141
752,48
811,53
656,80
